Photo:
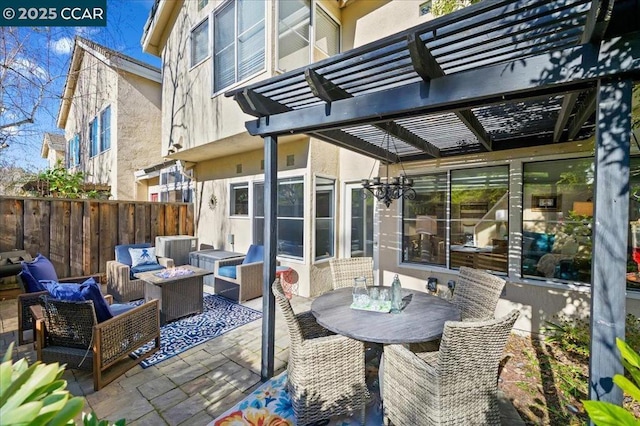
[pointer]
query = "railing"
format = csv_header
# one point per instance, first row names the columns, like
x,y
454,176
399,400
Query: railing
x,y
79,236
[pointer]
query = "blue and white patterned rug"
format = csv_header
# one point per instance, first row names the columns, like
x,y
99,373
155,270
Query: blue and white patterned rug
x,y
219,316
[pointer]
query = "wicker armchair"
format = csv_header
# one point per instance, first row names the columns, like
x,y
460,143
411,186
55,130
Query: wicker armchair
x,y
69,333
477,294
343,271
456,385
26,300
245,272
326,375
120,283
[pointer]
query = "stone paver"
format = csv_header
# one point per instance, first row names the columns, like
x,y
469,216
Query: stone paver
x,y
192,388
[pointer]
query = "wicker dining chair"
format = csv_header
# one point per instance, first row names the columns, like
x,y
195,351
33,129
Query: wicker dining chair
x,y
326,375
456,385
343,271
477,293
69,333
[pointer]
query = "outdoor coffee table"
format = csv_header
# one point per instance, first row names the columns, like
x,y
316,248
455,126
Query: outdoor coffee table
x,y
179,294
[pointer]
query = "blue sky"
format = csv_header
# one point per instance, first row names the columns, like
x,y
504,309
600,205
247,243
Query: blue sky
x,y
125,22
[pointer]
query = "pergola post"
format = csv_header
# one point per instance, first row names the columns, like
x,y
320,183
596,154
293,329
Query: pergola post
x,y
610,236
270,252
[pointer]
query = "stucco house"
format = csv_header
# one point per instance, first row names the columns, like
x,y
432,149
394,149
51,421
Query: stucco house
x,y
110,114
523,210
54,148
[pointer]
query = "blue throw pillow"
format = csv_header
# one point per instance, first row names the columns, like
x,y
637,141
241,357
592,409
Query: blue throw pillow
x,y
70,292
143,256
255,254
90,290
39,269
122,252
31,285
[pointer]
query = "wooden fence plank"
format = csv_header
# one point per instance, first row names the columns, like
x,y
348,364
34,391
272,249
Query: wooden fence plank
x,y
36,226
171,219
11,225
190,230
76,250
126,223
108,233
60,237
91,238
143,224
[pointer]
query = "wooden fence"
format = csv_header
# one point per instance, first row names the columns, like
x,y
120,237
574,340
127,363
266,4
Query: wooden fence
x,y
79,236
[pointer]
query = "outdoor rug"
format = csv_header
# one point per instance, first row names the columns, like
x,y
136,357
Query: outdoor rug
x,y
219,316
270,405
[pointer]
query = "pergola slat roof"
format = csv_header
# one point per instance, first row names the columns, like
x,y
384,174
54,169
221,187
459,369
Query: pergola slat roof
x,y
489,33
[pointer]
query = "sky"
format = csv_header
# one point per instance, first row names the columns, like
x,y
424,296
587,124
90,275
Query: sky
x,y
125,23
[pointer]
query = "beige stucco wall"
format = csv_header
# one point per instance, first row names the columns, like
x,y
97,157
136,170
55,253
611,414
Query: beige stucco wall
x,y
138,133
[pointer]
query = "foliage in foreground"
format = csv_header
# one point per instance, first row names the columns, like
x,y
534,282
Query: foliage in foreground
x,y
37,395
604,413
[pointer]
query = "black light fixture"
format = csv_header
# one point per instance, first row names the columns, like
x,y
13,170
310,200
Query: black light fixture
x,y
387,189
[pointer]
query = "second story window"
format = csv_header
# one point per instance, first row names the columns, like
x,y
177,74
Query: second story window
x,y
238,42
105,129
93,137
202,3
74,151
295,30
200,42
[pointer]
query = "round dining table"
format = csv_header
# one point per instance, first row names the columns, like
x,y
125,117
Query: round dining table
x,y
421,319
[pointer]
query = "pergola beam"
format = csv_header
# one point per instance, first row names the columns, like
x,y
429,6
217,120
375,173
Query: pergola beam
x,y
350,142
329,92
258,105
428,68
538,76
582,114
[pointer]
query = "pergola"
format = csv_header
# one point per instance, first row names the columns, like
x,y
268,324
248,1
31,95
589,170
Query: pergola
x,y
497,75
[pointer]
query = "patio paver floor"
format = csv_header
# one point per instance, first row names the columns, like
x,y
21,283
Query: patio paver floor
x,y
192,388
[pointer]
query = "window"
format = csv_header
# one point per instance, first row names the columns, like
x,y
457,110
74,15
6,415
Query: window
x,y
239,199
105,129
200,42
425,8
93,137
325,222
238,42
557,213
175,186
290,227
74,151
295,30
472,204
202,3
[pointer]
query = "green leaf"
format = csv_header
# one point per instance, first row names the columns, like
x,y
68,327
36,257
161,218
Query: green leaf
x,y
8,354
22,414
5,376
633,371
627,353
14,388
627,385
608,414
71,409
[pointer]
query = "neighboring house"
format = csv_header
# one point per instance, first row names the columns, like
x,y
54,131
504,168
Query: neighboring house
x,y
110,113
54,148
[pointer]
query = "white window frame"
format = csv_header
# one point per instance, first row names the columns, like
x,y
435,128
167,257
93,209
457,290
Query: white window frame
x,y
239,185
101,130
191,41
333,218
235,44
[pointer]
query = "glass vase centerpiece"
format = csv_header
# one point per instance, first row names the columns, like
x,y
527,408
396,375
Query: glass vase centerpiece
x,y
361,297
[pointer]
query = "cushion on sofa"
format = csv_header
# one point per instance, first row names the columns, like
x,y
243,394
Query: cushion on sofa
x,y
145,268
537,241
227,271
255,254
122,252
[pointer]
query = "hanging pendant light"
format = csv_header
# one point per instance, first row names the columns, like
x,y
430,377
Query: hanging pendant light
x,y
386,189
